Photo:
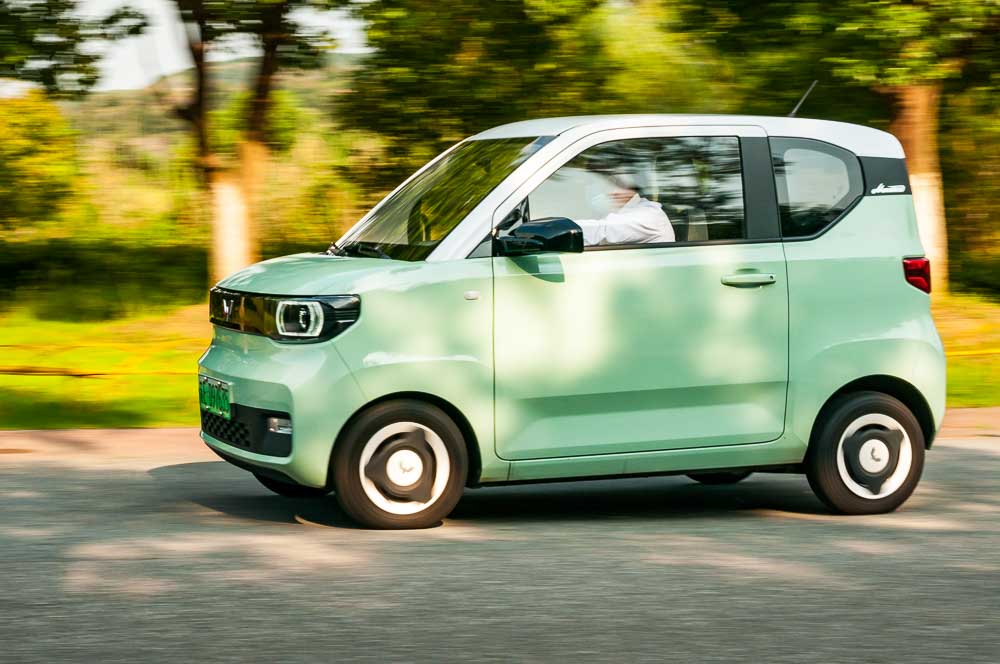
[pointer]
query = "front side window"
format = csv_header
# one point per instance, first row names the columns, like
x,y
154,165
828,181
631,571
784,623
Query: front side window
x,y
649,191
415,219
816,182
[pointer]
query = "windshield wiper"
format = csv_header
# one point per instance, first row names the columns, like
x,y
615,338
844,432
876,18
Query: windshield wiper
x,y
369,250
334,250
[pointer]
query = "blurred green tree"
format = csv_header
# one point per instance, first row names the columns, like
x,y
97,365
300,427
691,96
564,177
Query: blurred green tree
x,y
37,159
228,124
284,41
903,50
47,42
49,45
440,71
970,156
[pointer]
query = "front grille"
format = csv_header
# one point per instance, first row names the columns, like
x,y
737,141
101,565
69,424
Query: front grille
x,y
228,431
247,430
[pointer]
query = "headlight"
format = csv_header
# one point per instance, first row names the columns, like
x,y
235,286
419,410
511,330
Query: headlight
x,y
295,318
287,319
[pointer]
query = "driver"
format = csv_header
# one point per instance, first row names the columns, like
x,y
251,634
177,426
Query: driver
x,y
632,219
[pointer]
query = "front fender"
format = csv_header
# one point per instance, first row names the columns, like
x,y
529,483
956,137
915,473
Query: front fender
x,y
432,333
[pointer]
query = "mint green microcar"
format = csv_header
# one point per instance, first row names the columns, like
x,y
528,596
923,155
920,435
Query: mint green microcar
x,y
605,296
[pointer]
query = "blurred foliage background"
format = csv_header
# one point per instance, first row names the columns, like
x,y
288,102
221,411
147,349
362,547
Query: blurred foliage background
x,y
106,198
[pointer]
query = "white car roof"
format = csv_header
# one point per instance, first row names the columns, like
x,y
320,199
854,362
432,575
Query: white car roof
x,y
862,141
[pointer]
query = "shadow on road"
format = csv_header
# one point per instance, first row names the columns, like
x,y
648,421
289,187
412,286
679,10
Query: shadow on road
x,y
659,497
238,495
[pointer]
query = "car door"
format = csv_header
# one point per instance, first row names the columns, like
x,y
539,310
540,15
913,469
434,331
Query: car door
x,y
646,346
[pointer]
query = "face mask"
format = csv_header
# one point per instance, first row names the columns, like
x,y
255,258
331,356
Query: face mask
x,y
600,205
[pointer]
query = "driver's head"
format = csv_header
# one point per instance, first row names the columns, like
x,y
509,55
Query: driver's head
x,y
624,187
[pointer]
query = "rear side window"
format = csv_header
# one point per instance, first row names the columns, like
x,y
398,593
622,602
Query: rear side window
x,y
816,183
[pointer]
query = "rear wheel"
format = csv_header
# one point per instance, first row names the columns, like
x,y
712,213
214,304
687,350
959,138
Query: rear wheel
x,y
720,478
290,490
400,464
866,454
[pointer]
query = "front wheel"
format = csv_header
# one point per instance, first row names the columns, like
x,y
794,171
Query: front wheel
x,y
400,464
866,454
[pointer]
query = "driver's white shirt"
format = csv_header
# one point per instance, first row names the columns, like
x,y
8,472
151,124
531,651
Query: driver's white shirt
x,y
638,221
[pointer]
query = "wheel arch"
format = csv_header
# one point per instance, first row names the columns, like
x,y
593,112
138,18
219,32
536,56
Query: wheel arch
x,y
895,387
456,415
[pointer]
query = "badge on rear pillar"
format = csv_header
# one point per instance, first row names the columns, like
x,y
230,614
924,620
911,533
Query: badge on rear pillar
x,y
892,189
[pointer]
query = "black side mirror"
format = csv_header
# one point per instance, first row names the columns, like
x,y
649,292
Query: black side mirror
x,y
555,235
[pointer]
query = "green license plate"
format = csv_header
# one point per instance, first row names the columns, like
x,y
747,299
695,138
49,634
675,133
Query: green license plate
x,y
214,396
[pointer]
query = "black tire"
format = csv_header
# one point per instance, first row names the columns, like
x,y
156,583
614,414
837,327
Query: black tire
x,y
821,464
290,490
347,474
720,478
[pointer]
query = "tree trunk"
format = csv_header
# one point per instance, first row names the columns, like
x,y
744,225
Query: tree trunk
x,y
233,194
232,241
253,156
235,198
915,124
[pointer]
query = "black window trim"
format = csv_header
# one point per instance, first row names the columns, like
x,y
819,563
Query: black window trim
x,y
885,171
846,211
664,245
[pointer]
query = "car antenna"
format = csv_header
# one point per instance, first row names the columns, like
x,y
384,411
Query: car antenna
x,y
796,109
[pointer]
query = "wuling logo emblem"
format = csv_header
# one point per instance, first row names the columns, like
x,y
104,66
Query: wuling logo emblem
x,y
227,309
892,189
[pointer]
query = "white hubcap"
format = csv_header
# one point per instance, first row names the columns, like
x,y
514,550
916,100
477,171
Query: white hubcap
x,y
404,468
874,456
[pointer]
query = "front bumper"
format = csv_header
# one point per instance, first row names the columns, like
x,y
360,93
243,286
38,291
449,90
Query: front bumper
x,y
309,384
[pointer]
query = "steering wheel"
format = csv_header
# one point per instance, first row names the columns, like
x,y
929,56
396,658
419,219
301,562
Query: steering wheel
x,y
417,224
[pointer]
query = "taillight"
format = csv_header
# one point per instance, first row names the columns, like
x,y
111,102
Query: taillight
x,y
918,273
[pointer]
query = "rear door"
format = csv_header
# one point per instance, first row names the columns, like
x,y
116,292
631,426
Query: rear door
x,y
645,347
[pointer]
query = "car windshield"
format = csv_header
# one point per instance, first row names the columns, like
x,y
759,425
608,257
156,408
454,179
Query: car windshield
x,y
412,221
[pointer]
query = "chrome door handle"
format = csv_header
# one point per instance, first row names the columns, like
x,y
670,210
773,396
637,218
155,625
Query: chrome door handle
x,y
745,279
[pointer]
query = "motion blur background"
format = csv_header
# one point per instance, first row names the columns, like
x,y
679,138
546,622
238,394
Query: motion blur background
x,y
148,149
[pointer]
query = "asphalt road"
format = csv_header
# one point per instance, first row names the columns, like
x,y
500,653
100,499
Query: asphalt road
x,y
139,546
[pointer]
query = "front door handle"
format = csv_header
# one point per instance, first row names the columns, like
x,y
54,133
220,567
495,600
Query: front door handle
x,y
748,279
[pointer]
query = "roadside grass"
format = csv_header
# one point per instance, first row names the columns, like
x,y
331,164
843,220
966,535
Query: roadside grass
x,y
149,362
970,329
149,366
